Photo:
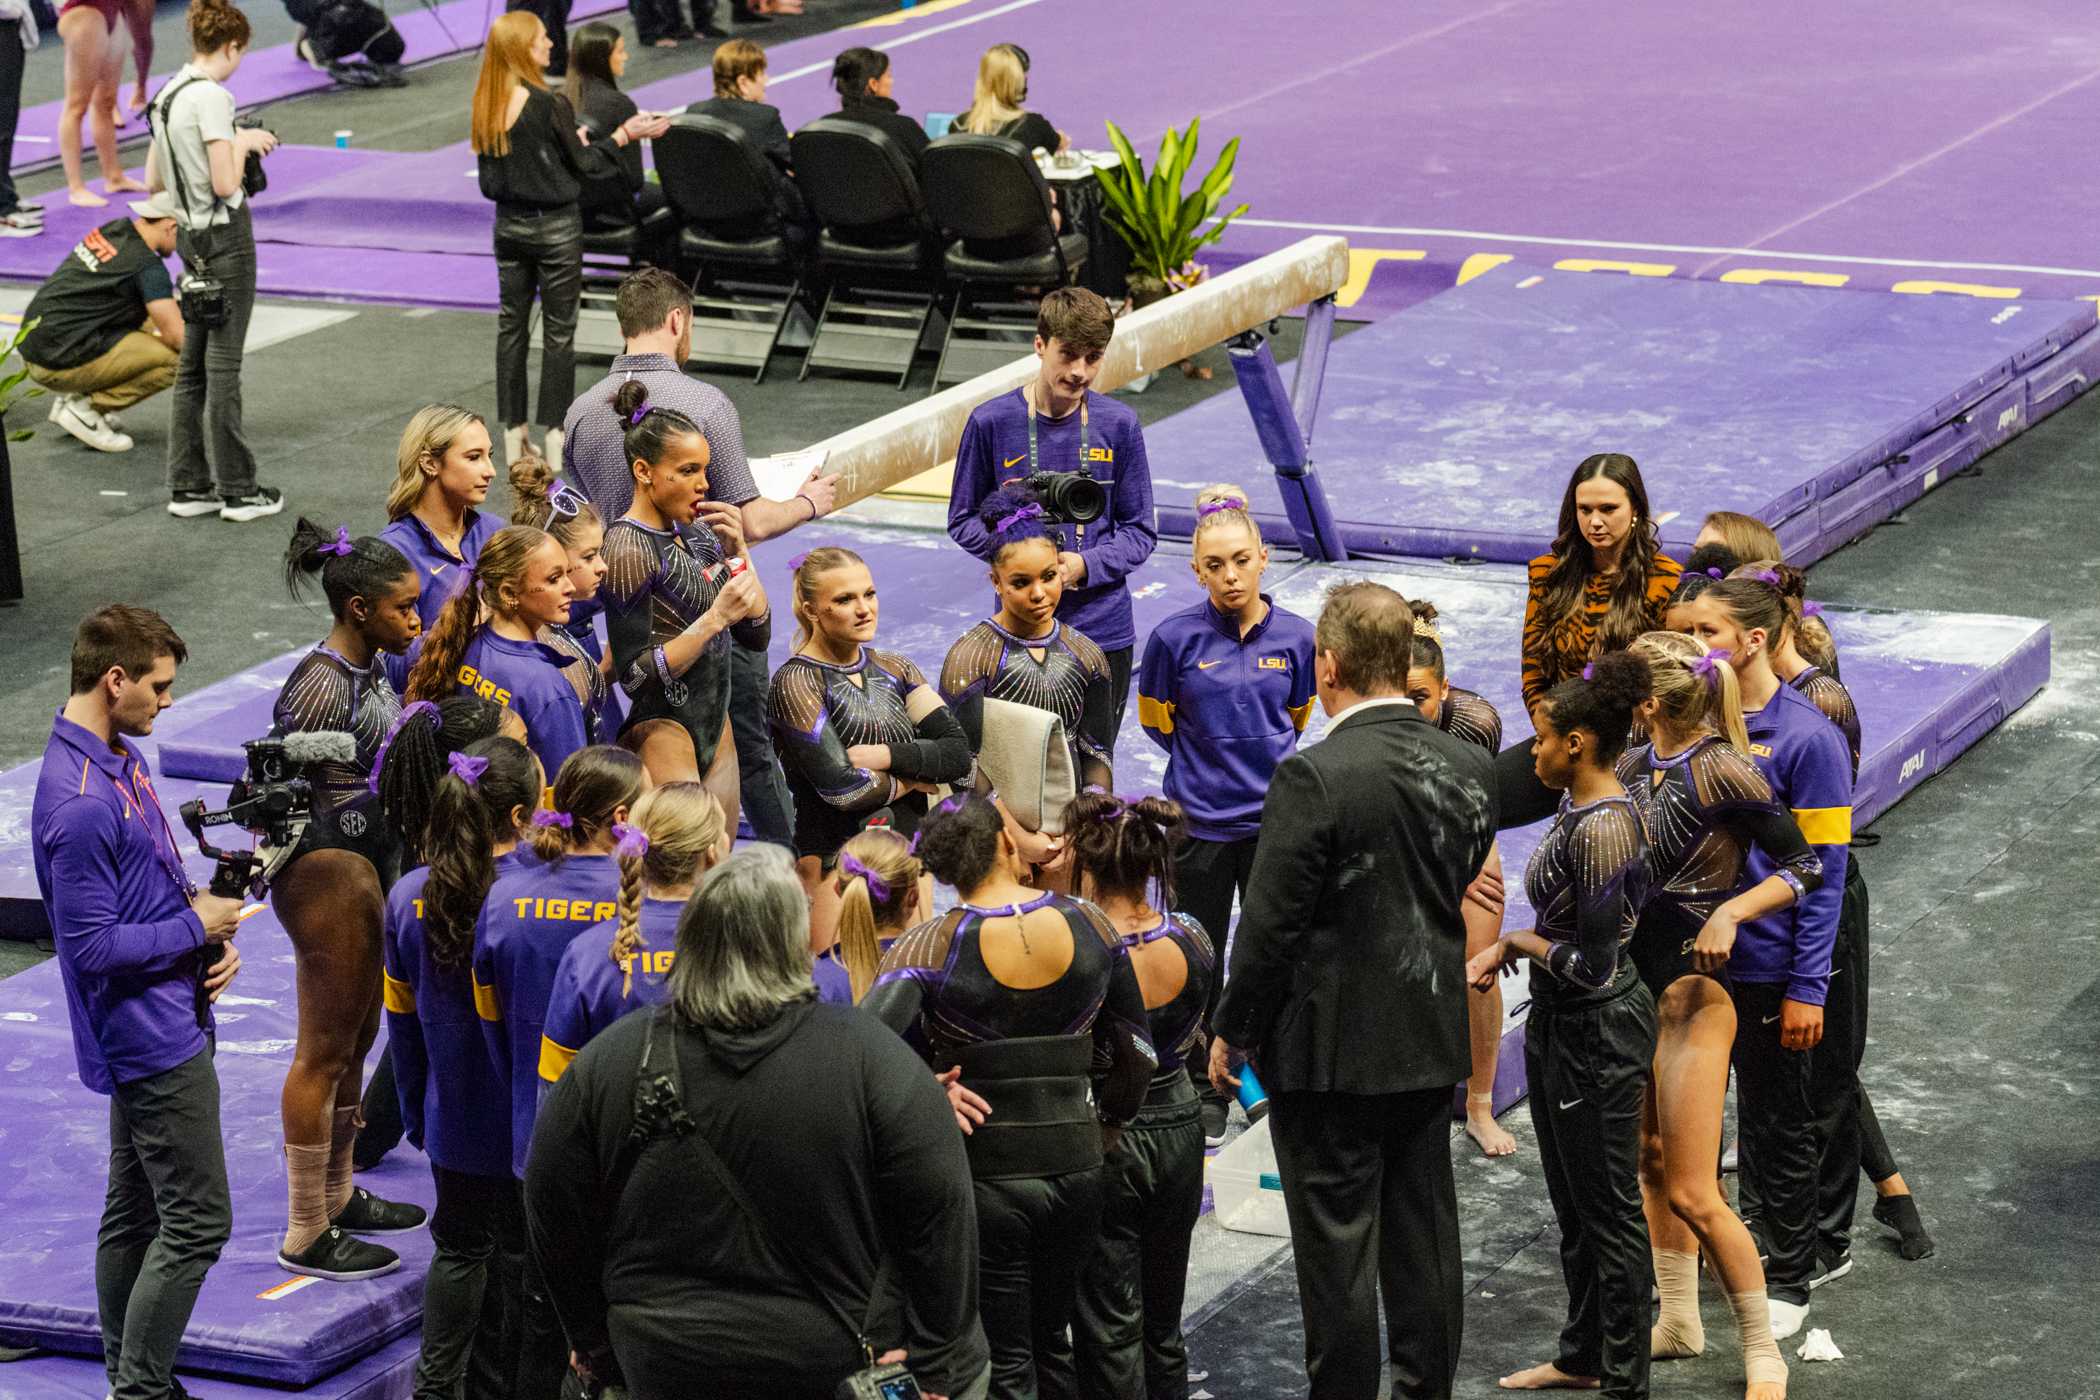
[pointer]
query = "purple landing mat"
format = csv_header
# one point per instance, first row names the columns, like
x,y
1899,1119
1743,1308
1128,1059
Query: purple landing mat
x,y
387,1374
269,75
1449,430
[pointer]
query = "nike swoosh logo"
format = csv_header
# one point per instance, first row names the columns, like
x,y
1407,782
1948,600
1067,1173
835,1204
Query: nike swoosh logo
x,y
1011,460
1206,665
1570,1103
436,569
1769,1020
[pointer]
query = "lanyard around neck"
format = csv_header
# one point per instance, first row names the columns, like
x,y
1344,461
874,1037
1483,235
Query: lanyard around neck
x,y
1032,465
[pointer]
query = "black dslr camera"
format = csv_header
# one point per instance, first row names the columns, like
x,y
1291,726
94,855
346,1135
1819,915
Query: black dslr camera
x,y
274,800
253,179
1070,498
203,300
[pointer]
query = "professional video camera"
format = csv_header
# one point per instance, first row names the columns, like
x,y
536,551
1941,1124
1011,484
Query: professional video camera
x,y
1070,498
274,800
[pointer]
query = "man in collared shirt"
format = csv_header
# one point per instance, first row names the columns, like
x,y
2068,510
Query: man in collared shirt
x,y
655,308
143,955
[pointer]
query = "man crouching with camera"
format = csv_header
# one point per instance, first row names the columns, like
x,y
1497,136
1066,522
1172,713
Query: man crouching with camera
x,y
143,955
1049,432
213,163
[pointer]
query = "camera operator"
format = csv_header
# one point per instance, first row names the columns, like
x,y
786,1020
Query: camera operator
x,y
128,924
332,33
213,169
1058,424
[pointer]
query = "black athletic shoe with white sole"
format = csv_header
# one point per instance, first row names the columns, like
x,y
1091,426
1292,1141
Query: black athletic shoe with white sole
x,y
340,1258
367,1214
1831,1270
262,501
190,504
1216,1115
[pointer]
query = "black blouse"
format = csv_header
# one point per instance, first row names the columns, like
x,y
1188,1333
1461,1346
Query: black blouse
x,y
603,108
884,115
548,163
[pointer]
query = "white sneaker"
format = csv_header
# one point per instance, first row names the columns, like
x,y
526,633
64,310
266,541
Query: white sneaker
x,y
515,444
553,450
1787,1318
21,225
78,418
116,424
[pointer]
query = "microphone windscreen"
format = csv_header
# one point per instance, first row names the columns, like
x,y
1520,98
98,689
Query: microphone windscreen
x,y
320,746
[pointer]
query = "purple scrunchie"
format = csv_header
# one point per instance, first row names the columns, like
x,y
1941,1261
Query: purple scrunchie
x,y
1766,576
638,415
1026,513
1589,672
340,546
878,887
1717,572
1707,666
1222,503
629,842
408,712
1811,608
795,564
544,817
466,767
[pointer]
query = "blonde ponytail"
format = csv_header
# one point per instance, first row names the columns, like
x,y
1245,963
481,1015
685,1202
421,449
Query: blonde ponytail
x,y
1690,691
888,857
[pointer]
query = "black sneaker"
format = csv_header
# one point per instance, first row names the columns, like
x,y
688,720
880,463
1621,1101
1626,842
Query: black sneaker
x,y
340,1258
188,504
367,1214
262,501
1831,1270
1216,1113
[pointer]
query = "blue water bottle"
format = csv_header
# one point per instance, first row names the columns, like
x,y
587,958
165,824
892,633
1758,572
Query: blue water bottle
x,y
1253,1098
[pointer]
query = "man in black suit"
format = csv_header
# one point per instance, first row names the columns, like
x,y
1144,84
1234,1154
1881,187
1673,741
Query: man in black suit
x,y
1348,989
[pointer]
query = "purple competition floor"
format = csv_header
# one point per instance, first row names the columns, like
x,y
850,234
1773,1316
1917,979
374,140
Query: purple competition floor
x,y
1928,686
1449,430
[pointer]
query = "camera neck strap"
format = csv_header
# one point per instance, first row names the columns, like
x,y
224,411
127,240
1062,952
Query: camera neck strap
x,y
659,1111
166,105
1033,465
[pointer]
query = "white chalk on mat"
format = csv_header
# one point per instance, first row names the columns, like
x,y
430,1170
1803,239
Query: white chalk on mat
x,y
1817,1346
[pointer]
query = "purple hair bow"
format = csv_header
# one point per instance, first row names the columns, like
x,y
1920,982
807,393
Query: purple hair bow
x,y
638,415
340,546
544,817
629,842
1766,576
1589,672
878,887
1708,665
408,712
795,564
1811,608
1026,513
466,767
1716,572
1222,503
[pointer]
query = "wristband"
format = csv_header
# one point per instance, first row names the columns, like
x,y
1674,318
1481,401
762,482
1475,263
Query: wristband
x,y
805,496
1793,882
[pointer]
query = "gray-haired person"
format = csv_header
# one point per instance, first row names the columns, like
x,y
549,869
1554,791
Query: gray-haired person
x,y
835,1137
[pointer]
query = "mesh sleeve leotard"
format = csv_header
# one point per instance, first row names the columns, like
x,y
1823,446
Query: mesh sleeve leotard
x,y
1470,717
1835,702
655,587
586,678
1071,681
819,711
1177,1023
1704,810
935,978
1587,881
325,692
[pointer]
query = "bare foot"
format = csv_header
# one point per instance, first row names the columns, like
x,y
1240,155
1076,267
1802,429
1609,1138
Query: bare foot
x,y
664,43
85,198
1547,1376
124,184
1192,370
1494,1139
1765,1390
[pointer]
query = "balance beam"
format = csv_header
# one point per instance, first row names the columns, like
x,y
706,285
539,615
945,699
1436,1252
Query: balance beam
x,y
898,446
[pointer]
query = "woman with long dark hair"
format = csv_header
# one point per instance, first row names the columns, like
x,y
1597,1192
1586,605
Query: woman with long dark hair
x,y
1127,1329
1780,967
453,1106
862,735
1591,1035
1032,1001
675,607
1706,809
597,59
201,156
530,916
533,164
520,586
331,896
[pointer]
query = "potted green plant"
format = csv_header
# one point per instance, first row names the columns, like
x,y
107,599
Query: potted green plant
x,y
11,392
1163,225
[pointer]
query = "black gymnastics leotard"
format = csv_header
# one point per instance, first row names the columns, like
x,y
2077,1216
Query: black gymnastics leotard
x,y
1703,809
325,692
588,678
1071,682
819,711
1587,882
1473,718
655,587
1831,697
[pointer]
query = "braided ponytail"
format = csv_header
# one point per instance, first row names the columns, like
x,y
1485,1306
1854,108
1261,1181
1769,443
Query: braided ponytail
x,y
685,831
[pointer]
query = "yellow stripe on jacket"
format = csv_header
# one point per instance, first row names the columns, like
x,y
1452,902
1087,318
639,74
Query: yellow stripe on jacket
x,y
1157,715
1824,826
554,1059
486,1003
400,997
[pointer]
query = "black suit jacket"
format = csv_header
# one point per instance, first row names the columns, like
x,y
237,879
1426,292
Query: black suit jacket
x,y
761,119
1348,966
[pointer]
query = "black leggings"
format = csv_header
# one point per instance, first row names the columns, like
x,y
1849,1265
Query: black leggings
x,y
1031,1236
1587,1057
470,1298
1207,874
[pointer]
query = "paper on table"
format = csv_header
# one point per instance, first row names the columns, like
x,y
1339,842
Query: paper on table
x,y
778,477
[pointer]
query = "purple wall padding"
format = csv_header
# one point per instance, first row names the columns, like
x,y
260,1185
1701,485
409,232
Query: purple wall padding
x,y
1450,429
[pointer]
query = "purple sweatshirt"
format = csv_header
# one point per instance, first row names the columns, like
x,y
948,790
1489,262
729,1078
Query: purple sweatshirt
x,y
110,874
1806,760
994,453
